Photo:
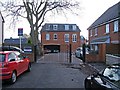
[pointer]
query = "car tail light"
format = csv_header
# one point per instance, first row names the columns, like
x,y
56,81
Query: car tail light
x,y
4,65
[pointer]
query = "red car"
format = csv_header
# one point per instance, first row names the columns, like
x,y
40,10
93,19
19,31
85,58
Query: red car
x,y
12,64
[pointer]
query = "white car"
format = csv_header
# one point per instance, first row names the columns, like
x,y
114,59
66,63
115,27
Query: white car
x,y
79,52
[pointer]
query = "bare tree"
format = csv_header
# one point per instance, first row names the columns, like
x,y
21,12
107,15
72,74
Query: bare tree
x,y
35,10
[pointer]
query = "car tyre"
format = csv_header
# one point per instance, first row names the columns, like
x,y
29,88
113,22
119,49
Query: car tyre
x,y
13,78
29,67
87,85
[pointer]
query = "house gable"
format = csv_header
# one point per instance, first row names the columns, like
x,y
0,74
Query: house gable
x,y
111,14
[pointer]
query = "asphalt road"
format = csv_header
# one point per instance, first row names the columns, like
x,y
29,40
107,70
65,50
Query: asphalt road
x,y
51,71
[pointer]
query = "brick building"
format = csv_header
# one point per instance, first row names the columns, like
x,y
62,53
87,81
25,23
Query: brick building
x,y
104,33
58,37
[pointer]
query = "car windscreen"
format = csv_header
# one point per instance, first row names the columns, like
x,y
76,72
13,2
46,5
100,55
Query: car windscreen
x,y
2,57
113,74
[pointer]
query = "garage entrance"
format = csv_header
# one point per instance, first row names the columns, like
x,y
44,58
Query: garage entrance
x,y
52,48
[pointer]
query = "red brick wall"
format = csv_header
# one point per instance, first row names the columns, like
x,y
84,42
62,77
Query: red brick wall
x,y
60,39
113,48
100,57
101,32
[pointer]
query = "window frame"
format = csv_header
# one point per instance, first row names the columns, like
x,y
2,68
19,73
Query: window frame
x,y
116,25
74,37
96,31
54,36
74,27
47,36
47,27
91,33
66,27
55,27
107,28
66,37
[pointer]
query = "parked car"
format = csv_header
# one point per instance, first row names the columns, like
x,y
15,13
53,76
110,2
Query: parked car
x,y
108,79
12,64
79,53
11,48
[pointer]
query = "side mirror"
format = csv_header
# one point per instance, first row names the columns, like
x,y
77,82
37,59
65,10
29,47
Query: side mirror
x,y
24,57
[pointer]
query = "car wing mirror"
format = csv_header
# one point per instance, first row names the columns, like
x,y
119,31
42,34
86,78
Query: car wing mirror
x,y
24,57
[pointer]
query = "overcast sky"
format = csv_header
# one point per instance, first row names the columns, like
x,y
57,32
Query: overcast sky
x,y
90,11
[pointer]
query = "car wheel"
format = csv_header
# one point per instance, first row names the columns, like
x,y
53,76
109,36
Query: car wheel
x,y
29,67
13,77
87,85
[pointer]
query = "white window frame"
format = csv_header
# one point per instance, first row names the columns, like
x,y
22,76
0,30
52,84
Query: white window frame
x,y
116,26
74,27
66,37
55,38
55,27
47,27
91,32
96,31
47,36
96,47
66,27
74,38
107,28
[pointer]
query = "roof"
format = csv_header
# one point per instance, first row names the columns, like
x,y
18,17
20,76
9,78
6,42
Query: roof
x,y
6,52
111,13
49,27
101,40
15,41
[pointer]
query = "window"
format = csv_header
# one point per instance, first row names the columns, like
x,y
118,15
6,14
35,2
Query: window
x,y
91,47
96,47
66,37
11,56
96,31
47,27
55,37
55,27
116,26
107,28
90,32
74,38
66,27
47,36
2,57
74,27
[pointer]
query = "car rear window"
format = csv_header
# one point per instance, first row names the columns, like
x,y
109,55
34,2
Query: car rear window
x,y
2,57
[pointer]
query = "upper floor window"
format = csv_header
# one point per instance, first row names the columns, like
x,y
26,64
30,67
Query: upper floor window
x,y
47,36
66,27
116,26
74,37
107,28
66,37
96,31
47,27
74,27
90,32
55,37
55,27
